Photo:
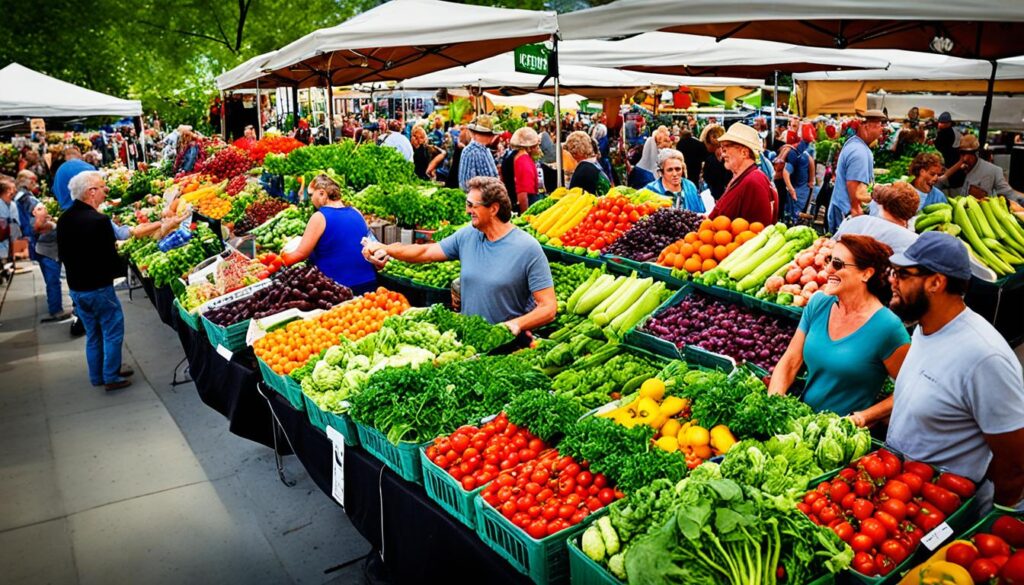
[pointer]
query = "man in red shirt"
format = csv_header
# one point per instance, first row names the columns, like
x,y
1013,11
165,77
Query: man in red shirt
x,y
749,194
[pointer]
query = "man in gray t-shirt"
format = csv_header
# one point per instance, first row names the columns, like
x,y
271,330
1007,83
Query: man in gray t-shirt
x,y
959,398
505,277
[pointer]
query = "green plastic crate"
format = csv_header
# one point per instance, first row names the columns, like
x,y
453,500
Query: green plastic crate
x,y
545,561
583,570
231,337
344,424
622,265
284,385
403,459
316,416
958,521
448,492
664,274
188,318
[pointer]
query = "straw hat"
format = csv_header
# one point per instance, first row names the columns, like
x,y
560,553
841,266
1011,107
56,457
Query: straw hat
x,y
969,143
743,135
868,114
483,124
525,137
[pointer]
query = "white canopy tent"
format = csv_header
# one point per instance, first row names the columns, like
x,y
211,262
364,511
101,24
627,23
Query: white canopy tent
x,y
696,55
406,38
534,100
499,71
922,66
24,92
246,74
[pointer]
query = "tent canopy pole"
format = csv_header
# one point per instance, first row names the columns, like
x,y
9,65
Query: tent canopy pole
x,y
986,112
259,112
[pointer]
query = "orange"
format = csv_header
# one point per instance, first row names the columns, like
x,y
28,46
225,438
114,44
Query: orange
x,y
729,249
680,261
690,237
723,237
692,264
706,251
756,227
739,225
686,250
744,237
722,223
706,236
721,252
670,259
708,264
705,225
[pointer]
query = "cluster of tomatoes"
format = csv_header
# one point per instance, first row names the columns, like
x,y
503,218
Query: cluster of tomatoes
x,y
606,222
549,494
988,555
883,507
271,263
474,456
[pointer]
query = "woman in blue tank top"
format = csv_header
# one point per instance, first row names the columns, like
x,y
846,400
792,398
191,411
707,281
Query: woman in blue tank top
x,y
332,240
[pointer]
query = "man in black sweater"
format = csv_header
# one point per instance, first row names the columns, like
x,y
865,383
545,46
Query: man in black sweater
x,y
86,247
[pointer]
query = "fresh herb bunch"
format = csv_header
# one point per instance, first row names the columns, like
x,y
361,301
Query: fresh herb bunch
x,y
623,454
544,414
359,165
471,329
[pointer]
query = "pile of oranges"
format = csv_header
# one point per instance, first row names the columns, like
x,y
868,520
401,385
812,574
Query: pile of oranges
x,y
289,348
714,240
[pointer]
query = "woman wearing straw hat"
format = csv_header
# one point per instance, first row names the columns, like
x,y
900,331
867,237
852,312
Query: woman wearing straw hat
x,y
749,194
519,172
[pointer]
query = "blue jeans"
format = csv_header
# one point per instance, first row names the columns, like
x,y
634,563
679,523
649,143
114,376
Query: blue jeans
x,y
803,194
51,276
100,312
835,217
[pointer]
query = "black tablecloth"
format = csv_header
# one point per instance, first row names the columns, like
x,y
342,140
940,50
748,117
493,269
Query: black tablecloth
x,y
1001,306
229,387
421,543
163,300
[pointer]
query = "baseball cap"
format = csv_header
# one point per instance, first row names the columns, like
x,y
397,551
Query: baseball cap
x,y
945,117
941,253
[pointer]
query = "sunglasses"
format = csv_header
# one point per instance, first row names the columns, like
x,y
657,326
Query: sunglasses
x,y
904,274
837,263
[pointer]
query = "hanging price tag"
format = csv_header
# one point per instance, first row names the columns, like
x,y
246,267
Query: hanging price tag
x,y
937,536
338,454
225,352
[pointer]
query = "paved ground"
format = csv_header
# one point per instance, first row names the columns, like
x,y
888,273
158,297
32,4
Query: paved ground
x,y
142,485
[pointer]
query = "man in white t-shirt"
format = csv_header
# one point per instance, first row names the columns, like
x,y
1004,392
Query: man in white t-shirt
x,y
395,139
959,397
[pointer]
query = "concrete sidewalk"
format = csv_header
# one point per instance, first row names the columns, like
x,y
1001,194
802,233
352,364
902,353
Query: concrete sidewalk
x,y
145,484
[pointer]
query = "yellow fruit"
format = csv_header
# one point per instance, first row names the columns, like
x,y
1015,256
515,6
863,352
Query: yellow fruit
x,y
646,410
722,439
659,420
653,388
672,405
668,444
698,436
684,433
670,428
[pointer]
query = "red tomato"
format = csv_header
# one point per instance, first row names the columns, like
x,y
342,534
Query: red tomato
x,y
578,516
913,510
848,474
873,529
929,517
1012,573
874,466
469,483
863,488
827,515
819,505
892,463
913,482
942,498
896,508
508,509
803,507
894,550
844,531
897,490
923,470
1009,529
982,570
884,564
600,480
959,485
606,495
839,490
556,526
961,553
864,564
848,501
990,545
891,524
538,529
862,508
811,497
862,543
460,442
584,478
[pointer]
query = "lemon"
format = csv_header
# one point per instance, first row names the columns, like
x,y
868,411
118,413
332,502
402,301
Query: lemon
x,y
668,443
653,389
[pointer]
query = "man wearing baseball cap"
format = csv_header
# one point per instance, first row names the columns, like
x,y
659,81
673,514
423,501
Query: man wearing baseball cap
x,y
946,138
983,178
477,160
855,169
959,398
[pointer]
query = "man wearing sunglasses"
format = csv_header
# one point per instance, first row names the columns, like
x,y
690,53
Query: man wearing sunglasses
x,y
959,399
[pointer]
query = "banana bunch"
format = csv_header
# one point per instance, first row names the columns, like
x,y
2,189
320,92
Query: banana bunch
x,y
994,235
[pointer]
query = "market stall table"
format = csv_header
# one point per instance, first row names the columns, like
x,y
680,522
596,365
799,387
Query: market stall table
x,y
420,542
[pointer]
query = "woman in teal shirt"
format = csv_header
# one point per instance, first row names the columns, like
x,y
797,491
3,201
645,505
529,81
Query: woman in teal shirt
x,y
848,337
